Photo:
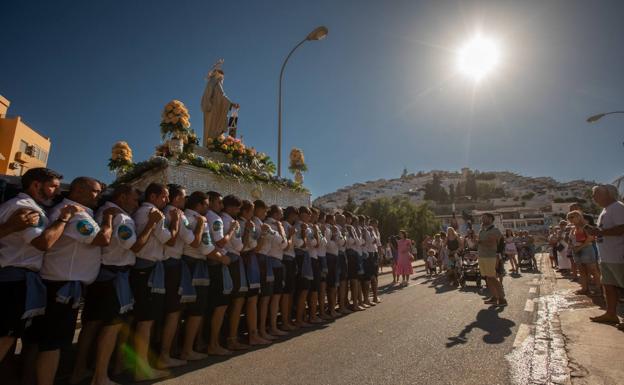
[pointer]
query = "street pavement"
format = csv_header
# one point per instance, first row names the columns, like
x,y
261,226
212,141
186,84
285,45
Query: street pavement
x,y
426,333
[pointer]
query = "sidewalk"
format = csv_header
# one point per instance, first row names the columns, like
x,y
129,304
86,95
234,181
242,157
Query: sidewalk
x,y
595,351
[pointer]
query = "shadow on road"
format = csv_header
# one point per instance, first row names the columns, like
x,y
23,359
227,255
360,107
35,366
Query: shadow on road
x,y
489,321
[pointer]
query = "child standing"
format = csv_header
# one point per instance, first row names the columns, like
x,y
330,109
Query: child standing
x,y
432,263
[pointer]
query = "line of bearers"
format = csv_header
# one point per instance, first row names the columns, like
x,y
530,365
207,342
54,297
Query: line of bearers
x,y
164,276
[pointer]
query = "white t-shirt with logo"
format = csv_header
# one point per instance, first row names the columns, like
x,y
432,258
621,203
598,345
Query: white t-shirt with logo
x,y
611,247
73,257
206,246
15,248
118,252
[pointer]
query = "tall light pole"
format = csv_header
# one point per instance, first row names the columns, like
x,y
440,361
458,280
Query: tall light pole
x,y
318,34
597,117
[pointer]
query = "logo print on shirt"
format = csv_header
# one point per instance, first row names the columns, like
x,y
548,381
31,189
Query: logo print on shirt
x,y
217,225
187,224
84,227
205,238
124,232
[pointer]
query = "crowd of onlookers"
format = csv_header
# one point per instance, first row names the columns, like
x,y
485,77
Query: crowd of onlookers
x,y
585,250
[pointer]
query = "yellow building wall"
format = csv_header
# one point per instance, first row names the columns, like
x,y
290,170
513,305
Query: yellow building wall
x,y
15,138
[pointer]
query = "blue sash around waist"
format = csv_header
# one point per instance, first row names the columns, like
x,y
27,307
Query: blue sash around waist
x,y
324,268
71,290
306,268
36,293
228,285
200,276
253,271
265,261
241,270
185,289
121,282
156,278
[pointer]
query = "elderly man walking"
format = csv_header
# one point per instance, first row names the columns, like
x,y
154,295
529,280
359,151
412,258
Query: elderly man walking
x,y
610,240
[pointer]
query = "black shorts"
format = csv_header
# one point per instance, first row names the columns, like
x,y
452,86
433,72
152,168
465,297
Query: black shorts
x,y
369,267
13,299
332,264
216,298
236,278
55,329
200,306
352,265
148,306
278,284
101,303
302,282
316,270
173,275
342,263
290,275
266,287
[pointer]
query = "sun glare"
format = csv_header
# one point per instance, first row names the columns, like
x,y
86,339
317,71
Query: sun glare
x,y
478,57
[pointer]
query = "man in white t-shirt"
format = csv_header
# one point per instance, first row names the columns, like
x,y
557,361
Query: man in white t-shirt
x,y
610,241
26,235
72,262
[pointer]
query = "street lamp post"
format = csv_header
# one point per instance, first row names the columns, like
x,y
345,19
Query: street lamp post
x,y
597,117
318,34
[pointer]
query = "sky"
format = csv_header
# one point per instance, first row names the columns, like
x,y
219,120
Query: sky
x,y
381,93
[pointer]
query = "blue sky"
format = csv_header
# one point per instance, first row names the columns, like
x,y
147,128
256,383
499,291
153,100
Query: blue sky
x,y
379,94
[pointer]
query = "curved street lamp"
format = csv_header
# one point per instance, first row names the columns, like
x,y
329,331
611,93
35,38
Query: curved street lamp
x,y
318,34
597,117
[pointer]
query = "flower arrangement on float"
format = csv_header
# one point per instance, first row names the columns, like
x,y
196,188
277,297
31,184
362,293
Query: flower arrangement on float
x,y
297,164
120,161
235,149
175,127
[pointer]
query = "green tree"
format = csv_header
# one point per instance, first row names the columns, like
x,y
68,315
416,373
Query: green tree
x,y
350,205
434,190
452,192
398,213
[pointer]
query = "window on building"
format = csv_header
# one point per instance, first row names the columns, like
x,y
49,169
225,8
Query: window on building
x,y
23,145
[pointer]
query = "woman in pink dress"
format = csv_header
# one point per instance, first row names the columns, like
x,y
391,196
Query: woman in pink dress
x,y
404,262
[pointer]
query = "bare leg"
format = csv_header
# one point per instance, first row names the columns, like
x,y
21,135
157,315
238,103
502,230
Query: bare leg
x,y
285,310
88,334
214,347
374,287
611,297
274,309
262,318
301,307
235,310
252,322
192,327
342,298
366,292
105,346
123,339
313,307
331,302
321,301
5,345
47,364
169,331
143,371
584,279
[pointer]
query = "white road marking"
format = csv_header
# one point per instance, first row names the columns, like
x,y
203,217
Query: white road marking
x,y
524,331
535,281
533,290
529,305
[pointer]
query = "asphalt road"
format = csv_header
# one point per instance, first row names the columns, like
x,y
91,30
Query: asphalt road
x,y
426,333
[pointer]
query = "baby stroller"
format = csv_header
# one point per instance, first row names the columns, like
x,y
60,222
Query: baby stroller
x,y
525,259
469,270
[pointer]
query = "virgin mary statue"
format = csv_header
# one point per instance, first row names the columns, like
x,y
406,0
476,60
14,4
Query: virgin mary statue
x,y
215,104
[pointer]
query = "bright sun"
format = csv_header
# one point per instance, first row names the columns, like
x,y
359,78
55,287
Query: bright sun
x,y
478,57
